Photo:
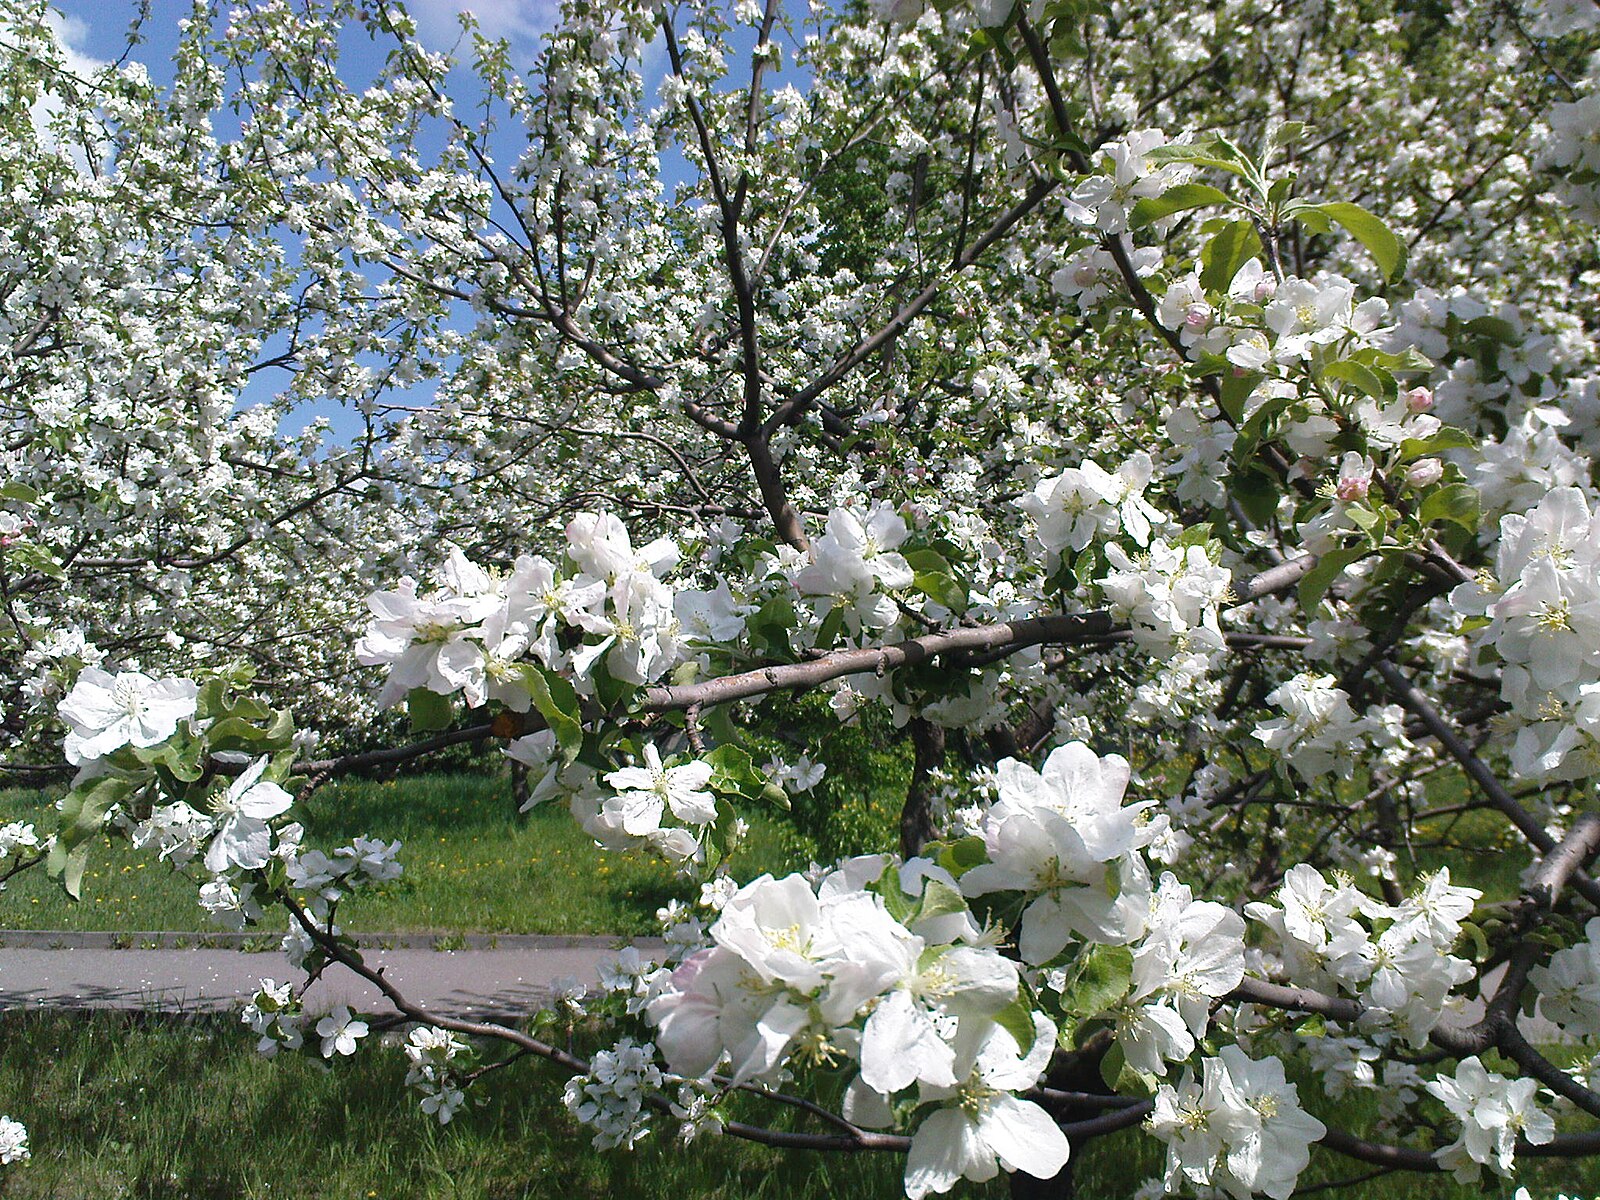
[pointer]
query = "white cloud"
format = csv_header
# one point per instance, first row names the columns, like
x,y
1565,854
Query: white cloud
x,y
520,22
69,34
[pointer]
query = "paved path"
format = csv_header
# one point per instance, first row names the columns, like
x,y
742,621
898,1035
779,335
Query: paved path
x,y
504,976
506,981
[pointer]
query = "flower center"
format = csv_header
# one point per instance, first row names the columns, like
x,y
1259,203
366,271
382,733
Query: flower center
x,y
129,695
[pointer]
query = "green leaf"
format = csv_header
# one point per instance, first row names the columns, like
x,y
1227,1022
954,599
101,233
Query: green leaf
x,y
179,756
1099,978
1321,577
935,579
770,625
1016,1019
1447,438
1112,1064
941,589
901,906
1313,1026
1257,494
940,900
1456,502
734,772
557,703
1284,134
1372,523
832,626
1409,361
37,558
1495,328
961,856
1386,249
1380,386
1176,200
1122,1078
83,815
19,491
429,711
1213,150
1235,244
236,733
71,869
1234,391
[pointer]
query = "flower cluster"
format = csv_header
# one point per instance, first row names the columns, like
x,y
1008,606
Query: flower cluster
x,y
435,1058
1319,731
607,605
1170,595
1240,1127
1396,960
1087,503
1105,200
804,974
1569,985
273,1015
646,794
855,564
1494,1113
13,1141
340,1031
1544,626
610,1098
15,836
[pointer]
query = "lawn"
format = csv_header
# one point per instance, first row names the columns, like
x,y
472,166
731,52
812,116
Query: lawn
x,y
472,864
122,1106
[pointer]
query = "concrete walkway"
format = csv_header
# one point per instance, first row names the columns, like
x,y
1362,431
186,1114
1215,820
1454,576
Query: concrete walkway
x,y
84,971
490,976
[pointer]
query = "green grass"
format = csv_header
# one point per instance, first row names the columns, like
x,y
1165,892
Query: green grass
x,y
123,1106
472,865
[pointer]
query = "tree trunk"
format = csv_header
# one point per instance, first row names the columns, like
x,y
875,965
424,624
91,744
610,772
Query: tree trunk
x,y
519,785
916,816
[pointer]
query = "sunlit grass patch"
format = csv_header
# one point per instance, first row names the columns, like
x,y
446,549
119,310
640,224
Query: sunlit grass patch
x,y
472,865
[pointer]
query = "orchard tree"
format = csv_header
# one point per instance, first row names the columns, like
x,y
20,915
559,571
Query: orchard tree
x,y
1175,421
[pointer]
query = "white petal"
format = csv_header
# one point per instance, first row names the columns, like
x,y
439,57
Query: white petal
x,y
1024,1137
942,1150
900,1047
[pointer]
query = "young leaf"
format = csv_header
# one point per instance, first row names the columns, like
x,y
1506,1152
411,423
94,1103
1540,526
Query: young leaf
x,y
1235,244
429,711
1363,379
1176,200
1321,577
1101,977
557,702
1378,238
1457,502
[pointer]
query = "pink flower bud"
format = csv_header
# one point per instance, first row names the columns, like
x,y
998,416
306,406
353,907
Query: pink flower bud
x,y
1354,488
1419,399
1197,316
1266,286
1355,478
1425,473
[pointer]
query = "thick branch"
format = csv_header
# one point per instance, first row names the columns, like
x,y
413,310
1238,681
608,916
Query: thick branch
x,y
1527,824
